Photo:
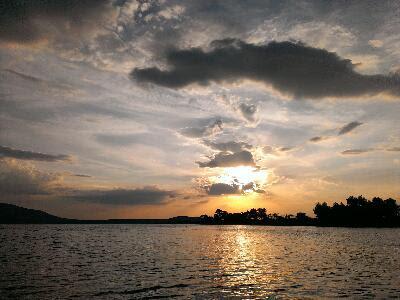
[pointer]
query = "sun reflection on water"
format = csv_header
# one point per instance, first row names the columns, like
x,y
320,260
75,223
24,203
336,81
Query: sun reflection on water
x,y
241,265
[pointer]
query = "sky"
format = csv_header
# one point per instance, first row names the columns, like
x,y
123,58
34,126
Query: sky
x,y
153,109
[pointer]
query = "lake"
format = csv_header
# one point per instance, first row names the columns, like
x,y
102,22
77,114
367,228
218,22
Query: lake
x,y
196,262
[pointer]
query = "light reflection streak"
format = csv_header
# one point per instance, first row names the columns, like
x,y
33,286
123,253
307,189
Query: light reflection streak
x,y
242,269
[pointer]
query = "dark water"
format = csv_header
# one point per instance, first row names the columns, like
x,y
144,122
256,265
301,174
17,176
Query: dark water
x,y
190,261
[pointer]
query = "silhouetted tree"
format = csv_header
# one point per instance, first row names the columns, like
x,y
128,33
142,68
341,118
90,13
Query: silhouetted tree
x,y
220,216
322,212
359,212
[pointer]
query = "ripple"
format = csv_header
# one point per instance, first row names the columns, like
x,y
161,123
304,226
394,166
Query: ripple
x,y
142,290
162,262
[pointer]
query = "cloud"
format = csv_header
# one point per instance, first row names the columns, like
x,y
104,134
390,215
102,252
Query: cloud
x,y
277,150
291,68
210,129
356,151
361,151
285,149
317,139
24,21
82,175
232,189
248,111
30,155
231,146
248,186
344,130
22,178
223,189
349,127
223,159
252,187
25,76
139,196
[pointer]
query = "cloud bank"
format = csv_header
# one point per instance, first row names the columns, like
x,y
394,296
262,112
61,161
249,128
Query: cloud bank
x,y
22,178
223,189
222,159
23,21
291,68
140,196
30,155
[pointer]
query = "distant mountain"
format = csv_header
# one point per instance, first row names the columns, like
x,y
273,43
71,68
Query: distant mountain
x,y
13,214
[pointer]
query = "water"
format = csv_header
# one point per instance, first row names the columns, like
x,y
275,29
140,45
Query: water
x,y
194,261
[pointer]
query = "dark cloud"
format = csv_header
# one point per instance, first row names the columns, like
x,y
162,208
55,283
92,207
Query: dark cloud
x,y
349,127
248,111
22,178
251,186
82,175
394,149
356,151
277,150
231,146
30,155
27,21
344,130
24,76
248,186
223,189
233,188
292,68
210,129
40,82
139,196
317,139
223,159
285,149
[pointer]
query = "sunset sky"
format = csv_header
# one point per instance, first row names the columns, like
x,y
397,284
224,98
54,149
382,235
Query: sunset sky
x,y
152,109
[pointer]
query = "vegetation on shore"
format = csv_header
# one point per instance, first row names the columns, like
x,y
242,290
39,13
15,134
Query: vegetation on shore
x,y
357,212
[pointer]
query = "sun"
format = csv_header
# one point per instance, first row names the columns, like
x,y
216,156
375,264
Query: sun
x,y
249,179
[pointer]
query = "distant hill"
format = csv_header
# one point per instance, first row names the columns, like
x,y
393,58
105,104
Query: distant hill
x,y
13,214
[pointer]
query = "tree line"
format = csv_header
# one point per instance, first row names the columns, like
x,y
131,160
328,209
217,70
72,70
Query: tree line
x,y
357,212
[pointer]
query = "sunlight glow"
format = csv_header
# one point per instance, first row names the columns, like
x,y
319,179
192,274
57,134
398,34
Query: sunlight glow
x,y
249,179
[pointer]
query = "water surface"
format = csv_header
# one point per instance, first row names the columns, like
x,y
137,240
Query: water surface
x,y
195,261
